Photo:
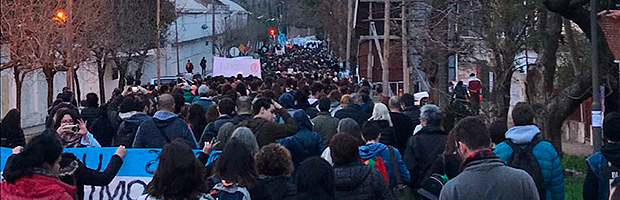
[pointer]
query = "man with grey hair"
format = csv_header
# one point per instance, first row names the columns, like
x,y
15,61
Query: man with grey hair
x,y
164,127
424,148
403,128
244,109
353,110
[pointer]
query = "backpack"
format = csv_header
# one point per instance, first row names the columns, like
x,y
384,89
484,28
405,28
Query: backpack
x,y
126,134
523,158
218,194
378,164
431,186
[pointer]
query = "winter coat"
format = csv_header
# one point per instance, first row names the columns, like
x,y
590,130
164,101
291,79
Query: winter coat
x,y
490,179
414,113
36,187
205,102
74,172
241,117
212,128
13,138
403,129
596,185
274,188
231,189
354,112
422,150
548,158
267,131
356,181
90,114
161,129
372,150
387,132
127,130
446,164
103,131
326,126
304,144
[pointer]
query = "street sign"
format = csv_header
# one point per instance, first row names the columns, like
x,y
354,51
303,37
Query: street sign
x,y
234,51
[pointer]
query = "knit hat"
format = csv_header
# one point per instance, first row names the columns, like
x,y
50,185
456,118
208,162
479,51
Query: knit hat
x,y
203,90
611,127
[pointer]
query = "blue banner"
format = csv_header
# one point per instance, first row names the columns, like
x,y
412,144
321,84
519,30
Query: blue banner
x,y
131,180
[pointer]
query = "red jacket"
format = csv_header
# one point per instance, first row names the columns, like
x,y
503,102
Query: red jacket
x,y
37,187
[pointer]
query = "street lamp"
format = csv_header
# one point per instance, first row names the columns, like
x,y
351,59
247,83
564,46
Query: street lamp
x,y
60,16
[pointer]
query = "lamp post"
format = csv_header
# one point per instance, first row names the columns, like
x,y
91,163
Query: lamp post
x,y
69,46
596,95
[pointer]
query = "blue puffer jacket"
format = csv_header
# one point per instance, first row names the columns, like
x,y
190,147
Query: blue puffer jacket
x,y
545,153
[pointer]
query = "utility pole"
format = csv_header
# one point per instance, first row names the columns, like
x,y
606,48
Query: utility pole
x,y
69,46
596,95
159,44
404,46
349,30
176,36
212,31
386,50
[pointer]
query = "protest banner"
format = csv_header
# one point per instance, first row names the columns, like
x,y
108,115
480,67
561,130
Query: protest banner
x,y
232,66
131,180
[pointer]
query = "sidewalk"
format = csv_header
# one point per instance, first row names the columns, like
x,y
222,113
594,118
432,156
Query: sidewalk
x,y
574,148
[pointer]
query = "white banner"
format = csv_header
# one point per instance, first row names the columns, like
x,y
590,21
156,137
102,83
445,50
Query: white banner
x,y
122,187
228,67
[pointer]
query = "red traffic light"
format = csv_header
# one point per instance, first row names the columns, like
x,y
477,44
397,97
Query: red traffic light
x,y
272,31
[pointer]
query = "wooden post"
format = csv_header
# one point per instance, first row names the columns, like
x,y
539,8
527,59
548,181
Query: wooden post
x,y
386,49
159,44
404,46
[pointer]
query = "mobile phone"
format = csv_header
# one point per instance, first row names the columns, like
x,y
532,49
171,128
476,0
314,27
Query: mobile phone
x,y
134,89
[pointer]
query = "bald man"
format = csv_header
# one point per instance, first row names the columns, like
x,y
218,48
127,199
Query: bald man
x,y
164,127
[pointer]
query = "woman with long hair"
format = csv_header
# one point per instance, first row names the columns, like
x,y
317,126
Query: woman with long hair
x,y
11,131
315,180
211,114
72,129
179,175
197,119
33,172
236,171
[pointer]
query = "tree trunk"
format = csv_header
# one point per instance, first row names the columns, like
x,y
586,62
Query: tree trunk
x,y
18,86
562,105
49,78
78,93
100,74
540,78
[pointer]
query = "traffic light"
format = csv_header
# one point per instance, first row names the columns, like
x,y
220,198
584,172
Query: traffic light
x,y
272,32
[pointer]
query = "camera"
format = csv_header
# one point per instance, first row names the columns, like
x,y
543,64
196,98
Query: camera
x,y
74,128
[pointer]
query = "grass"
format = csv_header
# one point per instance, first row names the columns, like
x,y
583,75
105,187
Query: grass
x,y
573,185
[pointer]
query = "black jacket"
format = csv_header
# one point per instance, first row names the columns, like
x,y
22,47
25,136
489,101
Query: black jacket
x,y
387,133
414,113
90,114
127,130
103,130
422,151
354,112
274,188
357,181
403,129
592,188
12,138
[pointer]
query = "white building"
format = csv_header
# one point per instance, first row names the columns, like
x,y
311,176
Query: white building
x,y
194,27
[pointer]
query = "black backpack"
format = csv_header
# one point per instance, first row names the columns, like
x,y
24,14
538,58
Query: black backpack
x,y
523,158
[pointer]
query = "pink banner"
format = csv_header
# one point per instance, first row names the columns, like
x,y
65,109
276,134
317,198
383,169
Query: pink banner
x,y
228,67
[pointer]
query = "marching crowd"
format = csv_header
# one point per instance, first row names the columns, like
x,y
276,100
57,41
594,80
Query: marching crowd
x,y
294,136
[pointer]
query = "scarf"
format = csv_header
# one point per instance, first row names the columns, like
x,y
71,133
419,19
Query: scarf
x,y
43,171
70,139
478,155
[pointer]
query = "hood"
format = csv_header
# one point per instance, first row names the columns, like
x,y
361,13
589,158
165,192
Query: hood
x,y
287,101
136,118
612,153
302,120
371,150
522,134
350,176
164,117
46,186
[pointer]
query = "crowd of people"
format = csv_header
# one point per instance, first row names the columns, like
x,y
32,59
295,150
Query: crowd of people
x,y
306,135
